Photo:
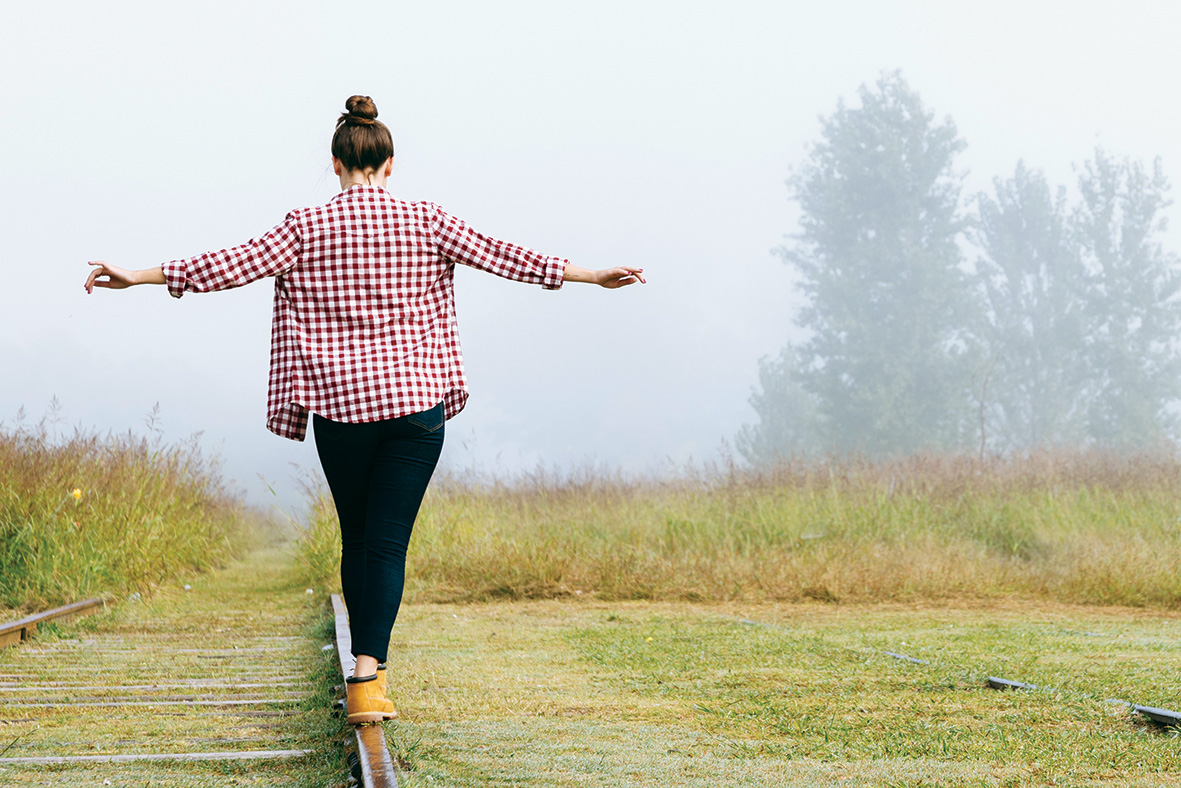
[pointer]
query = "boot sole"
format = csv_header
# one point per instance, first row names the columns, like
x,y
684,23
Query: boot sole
x,y
361,717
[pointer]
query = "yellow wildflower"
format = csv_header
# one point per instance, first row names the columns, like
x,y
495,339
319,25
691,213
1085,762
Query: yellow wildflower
x,y
77,493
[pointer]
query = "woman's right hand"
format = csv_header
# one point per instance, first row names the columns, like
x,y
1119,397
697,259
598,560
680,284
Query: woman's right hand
x,y
117,278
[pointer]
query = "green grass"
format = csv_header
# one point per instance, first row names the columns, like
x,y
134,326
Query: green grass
x,y
88,515
653,694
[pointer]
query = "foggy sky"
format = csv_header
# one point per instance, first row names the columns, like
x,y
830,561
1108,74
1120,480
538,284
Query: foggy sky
x,y
650,133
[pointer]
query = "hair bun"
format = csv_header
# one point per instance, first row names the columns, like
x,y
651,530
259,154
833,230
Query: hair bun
x,y
361,141
360,109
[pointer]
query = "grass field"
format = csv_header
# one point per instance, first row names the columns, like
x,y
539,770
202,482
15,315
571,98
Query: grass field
x,y
582,631
656,694
731,629
585,693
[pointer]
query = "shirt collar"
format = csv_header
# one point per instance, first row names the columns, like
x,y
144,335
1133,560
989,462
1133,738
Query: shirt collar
x,y
358,188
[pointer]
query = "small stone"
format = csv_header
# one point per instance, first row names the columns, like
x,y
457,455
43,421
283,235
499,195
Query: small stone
x,y
188,587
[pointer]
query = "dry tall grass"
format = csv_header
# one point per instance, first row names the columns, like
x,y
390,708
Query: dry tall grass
x,y
1093,527
93,514
1088,527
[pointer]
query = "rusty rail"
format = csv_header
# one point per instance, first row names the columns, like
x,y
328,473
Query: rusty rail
x,y
377,769
23,628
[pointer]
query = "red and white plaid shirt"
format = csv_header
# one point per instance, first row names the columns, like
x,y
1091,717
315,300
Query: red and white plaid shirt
x,y
364,322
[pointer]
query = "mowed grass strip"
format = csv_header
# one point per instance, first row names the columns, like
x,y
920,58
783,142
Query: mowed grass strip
x,y
549,693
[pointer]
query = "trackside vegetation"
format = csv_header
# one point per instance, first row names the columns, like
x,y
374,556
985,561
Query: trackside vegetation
x,y
1080,527
91,514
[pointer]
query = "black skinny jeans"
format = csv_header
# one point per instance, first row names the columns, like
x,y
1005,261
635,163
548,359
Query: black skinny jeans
x,y
378,473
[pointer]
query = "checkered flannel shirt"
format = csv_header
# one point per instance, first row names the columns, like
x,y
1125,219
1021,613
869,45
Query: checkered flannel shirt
x,y
364,320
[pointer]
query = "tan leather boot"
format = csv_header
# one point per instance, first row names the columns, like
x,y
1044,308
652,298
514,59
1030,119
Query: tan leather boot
x,y
385,689
365,701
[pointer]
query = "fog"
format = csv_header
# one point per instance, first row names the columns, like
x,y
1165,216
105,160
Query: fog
x,y
656,133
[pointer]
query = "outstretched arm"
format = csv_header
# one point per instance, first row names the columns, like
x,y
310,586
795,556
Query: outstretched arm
x,y
271,254
116,278
606,277
459,243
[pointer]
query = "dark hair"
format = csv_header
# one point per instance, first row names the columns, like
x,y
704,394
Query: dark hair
x,y
361,141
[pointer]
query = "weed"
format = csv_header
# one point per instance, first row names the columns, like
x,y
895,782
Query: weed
x,y
86,515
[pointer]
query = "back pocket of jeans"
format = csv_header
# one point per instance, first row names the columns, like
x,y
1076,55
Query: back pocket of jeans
x,y
430,420
327,431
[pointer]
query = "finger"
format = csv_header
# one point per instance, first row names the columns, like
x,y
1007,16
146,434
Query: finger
x,y
94,274
638,273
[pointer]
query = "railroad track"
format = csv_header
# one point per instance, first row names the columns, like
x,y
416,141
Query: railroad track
x,y
187,697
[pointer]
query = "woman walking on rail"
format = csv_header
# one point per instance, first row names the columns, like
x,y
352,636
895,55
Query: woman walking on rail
x,y
364,338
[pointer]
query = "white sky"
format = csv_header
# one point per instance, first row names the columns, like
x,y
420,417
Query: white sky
x,y
657,133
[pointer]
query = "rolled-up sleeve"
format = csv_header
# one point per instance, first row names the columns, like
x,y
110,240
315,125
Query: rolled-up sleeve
x,y
461,244
271,254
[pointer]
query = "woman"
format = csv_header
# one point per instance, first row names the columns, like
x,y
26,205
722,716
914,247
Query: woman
x,y
364,338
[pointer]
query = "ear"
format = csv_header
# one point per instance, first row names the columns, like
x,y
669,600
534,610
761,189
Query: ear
x,y
336,165
389,166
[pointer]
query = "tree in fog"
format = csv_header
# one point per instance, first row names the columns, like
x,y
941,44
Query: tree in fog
x,y
1133,313
880,266
786,411
1032,375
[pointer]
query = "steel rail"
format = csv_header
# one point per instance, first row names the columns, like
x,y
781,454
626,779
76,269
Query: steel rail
x,y
1164,717
189,685
23,628
245,755
377,768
